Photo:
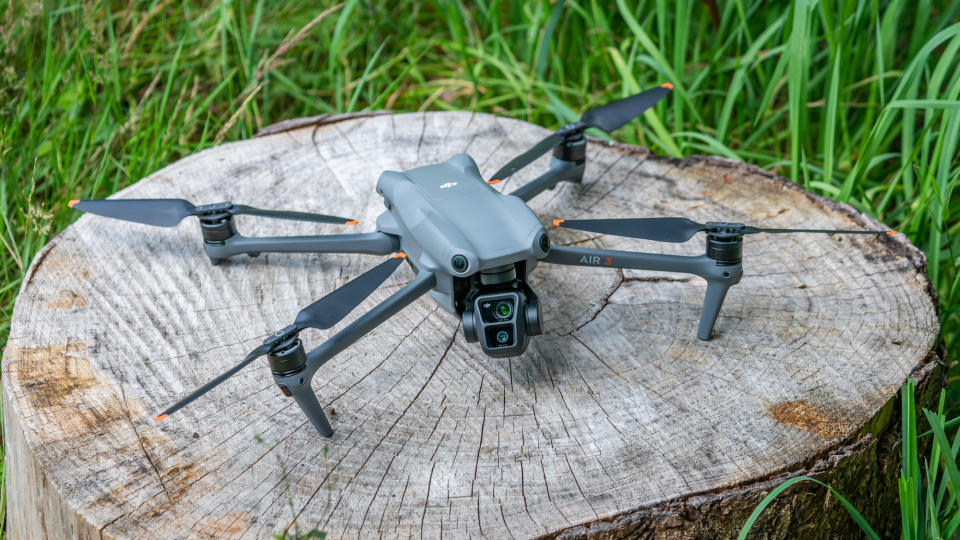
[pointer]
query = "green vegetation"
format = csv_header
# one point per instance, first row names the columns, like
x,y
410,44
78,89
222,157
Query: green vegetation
x,y
928,501
856,100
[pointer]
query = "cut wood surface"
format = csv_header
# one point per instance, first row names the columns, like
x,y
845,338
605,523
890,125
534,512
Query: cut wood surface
x,y
618,421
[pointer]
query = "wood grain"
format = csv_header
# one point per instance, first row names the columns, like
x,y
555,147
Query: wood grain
x,y
615,422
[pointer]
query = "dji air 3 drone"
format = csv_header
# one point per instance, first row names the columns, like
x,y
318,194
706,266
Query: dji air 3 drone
x,y
471,246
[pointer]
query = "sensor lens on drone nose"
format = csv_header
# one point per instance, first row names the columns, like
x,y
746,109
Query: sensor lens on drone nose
x,y
459,263
503,336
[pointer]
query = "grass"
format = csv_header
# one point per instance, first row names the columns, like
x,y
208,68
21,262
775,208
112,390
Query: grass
x,y
855,100
928,501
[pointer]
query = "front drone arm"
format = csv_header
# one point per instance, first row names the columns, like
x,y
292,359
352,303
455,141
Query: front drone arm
x,y
297,385
375,243
720,277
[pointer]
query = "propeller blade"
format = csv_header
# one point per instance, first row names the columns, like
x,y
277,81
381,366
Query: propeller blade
x,y
609,117
238,209
677,229
170,212
669,229
322,314
159,212
753,230
528,157
613,116
256,353
333,307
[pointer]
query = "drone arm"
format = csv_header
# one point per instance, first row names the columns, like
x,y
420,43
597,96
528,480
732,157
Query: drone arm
x,y
416,288
375,243
719,277
560,171
576,256
298,384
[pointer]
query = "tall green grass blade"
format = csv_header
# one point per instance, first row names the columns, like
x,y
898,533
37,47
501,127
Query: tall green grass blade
x,y
854,513
797,51
544,49
363,77
830,121
949,461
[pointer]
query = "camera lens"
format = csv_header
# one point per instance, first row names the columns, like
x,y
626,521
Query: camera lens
x,y
503,310
502,336
544,243
459,263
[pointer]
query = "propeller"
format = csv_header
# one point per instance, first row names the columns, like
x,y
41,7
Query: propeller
x,y
322,314
677,229
170,212
609,117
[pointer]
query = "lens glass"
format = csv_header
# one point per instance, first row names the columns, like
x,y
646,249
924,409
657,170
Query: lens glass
x,y
500,335
504,309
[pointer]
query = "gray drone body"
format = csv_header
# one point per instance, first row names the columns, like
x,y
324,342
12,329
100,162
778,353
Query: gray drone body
x,y
471,246
447,210
473,239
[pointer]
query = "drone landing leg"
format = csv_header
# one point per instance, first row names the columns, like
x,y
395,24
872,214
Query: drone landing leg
x,y
716,292
720,277
307,400
375,243
297,384
560,171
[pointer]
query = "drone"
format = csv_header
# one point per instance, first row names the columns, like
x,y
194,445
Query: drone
x,y
472,248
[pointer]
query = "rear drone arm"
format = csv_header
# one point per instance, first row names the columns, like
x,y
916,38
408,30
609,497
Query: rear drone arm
x,y
720,277
569,145
297,384
561,170
374,243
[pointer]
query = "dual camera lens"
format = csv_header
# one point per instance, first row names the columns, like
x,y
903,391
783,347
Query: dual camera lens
x,y
503,310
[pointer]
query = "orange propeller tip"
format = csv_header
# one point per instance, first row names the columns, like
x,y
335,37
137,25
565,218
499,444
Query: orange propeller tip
x,y
557,222
667,85
352,222
73,202
161,417
891,232
492,182
400,255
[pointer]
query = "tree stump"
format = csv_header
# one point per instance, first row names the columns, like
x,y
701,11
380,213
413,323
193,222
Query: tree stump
x,y
617,422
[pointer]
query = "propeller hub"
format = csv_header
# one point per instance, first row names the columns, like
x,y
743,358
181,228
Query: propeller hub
x,y
724,229
573,131
215,208
278,339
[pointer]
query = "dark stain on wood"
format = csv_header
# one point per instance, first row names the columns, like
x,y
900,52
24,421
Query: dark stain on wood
x,y
808,417
51,373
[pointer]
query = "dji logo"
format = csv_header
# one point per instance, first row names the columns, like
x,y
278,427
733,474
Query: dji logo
x,y
448,185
